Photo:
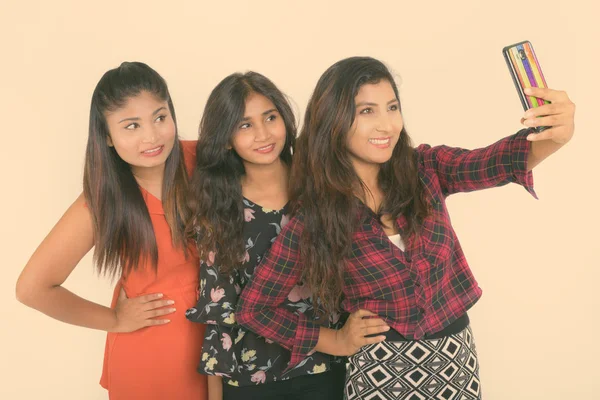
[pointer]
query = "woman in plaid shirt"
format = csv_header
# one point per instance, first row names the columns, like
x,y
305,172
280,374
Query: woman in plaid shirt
x,y
370,231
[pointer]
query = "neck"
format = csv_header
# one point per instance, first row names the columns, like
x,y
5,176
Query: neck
x,y
150,179
368,173
261,177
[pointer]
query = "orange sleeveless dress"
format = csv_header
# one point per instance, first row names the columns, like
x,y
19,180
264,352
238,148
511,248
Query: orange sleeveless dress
x,y
159,362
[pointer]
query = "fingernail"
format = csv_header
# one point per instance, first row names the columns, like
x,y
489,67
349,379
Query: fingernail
x,y
528,122
530,137
160,295
387,328
528,91
170,302
172,309
527,115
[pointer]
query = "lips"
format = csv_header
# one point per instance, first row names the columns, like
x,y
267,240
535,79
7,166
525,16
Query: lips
x,y
266,149
153,151
381,142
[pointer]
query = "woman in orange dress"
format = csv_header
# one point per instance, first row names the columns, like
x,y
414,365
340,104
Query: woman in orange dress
x,y
132,212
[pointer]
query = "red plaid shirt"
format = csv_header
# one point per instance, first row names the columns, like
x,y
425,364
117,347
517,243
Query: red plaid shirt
x,y
417,292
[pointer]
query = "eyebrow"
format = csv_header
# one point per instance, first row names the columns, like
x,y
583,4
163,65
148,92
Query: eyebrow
x,y
366,103
264,113
138,118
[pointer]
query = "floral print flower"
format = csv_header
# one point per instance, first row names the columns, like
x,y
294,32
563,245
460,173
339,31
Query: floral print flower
x,y
248,214
216,294
248,354
299,292
226,341
259,377
317,369
230,320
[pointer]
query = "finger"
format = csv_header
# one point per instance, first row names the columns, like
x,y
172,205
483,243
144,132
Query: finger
x,y
373,330
159,313
149,297
371,322
154,304
544,135
551,120
363,313
546,94
151,322
546,109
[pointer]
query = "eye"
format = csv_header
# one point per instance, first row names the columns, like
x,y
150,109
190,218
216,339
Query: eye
x,y
245,126
160,118
394,107
271,117
367,110
132,126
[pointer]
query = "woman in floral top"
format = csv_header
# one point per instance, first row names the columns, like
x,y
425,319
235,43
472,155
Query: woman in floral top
x,y
239,206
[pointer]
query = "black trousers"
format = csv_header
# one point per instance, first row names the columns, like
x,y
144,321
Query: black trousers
x,y
325,386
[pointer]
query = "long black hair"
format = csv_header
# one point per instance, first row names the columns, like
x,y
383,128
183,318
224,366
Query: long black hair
x,y
123,233
216,191
326,189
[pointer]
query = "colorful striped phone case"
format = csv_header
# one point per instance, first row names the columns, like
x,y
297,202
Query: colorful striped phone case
x,y
526,72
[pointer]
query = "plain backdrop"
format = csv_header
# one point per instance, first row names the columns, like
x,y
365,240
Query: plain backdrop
x,y
536,326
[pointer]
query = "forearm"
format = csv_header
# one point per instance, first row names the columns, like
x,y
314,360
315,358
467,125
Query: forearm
x,y
540,151
63,305
215,387
328,343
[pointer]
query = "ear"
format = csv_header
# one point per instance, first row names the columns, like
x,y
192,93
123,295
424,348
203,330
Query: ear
x,y
109,141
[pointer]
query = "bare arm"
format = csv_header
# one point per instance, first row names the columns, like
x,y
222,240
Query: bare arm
x,y
215,387
40,283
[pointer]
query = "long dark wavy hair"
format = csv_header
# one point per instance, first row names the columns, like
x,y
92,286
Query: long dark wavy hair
x,y
123,234
325,189
216,204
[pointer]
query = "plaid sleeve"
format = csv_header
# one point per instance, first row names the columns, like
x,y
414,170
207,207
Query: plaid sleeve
x,y
461,170
260,307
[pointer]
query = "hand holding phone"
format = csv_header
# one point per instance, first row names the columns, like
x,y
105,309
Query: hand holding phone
x,y
526,72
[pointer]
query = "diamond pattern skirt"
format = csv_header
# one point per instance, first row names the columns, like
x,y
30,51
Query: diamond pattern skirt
x,y
439,369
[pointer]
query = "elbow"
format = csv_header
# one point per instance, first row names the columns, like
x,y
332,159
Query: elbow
x,y
23,292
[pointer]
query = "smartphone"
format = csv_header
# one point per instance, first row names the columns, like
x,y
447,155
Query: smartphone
x,y
526,72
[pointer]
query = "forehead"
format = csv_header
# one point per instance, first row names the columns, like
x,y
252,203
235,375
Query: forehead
x,y
141,105
376,92
256,104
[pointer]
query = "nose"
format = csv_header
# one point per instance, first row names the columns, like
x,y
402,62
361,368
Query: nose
x,y
385,123
261,133
150,134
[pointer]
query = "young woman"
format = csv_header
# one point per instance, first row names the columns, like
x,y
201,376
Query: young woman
x,y
240,204
132,211
370,231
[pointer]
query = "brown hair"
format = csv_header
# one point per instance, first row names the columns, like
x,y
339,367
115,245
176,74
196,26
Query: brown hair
x,y
324,184
123,232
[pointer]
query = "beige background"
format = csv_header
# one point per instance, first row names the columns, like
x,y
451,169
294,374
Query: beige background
x,y
537,324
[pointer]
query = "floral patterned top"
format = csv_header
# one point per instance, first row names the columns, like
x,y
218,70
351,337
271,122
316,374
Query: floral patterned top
x,y
240,356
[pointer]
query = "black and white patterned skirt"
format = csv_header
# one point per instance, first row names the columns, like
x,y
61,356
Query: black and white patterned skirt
x,y
440,369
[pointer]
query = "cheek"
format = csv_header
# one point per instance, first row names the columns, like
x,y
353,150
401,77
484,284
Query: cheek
x,y
242,141
125,147
168,130
279,130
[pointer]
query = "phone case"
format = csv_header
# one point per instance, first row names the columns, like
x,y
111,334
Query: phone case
x,y
525,71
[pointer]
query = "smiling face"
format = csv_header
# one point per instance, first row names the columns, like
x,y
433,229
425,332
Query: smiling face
x,y
142,131
261,135
376,127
